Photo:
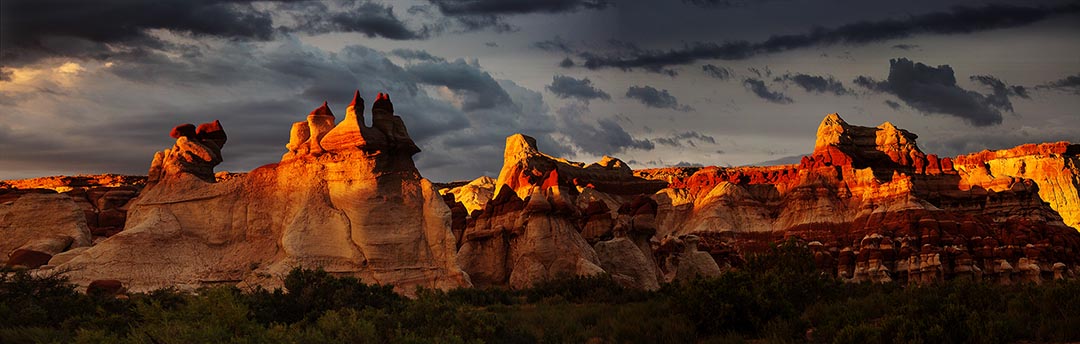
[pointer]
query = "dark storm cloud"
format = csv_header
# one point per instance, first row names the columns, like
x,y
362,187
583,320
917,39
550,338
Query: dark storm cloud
x,y
567,87
959,20
556,44
893,105
605,138
684,138
416,54
688,164
479,89
711,4
1069,84
1001,91
292,80
566,63
965,142
507,7
759,89
934,90
481,143
100,29
906,47
722,73
5,75
764,72
483,14
368,18
654,98
817,84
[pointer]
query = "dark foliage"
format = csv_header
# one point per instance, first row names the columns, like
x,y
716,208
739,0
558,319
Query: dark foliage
x,y
775,297
310,293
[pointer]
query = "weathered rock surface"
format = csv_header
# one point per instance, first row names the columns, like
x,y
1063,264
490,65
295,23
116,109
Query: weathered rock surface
x,y
879,209
525,167
37,224
102,198
875,207
352,205
627,264
695,264
868,202
474,195
531,230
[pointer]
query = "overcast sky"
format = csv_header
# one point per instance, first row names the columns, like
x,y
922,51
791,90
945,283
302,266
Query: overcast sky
x,y
95,86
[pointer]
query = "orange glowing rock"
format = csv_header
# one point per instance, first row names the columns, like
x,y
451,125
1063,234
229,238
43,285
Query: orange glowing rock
x,y
212,132
183,130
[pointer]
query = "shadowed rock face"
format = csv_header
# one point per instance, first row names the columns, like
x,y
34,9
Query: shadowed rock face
x,y
345,197
37,224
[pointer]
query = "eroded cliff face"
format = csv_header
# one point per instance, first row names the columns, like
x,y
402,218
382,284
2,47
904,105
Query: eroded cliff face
x,y
102,199
875,207
551,218
345,197
870,203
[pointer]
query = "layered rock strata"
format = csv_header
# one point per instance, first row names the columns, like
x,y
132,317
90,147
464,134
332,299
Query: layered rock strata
x,y
345,197
877,208
868,201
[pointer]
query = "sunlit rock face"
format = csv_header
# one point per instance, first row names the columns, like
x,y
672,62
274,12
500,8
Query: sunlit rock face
x,y
879,209
345,197
531,230
871,204
102,200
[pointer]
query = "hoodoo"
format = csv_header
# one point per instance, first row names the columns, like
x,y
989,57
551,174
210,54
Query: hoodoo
x,y
870,204
345,197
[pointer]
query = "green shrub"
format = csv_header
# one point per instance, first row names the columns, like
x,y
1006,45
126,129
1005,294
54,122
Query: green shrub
x,y
215,315
39,301
310,293
778,297
599,288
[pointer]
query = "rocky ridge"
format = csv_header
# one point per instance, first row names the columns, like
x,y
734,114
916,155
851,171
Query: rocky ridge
x,y
869,203
325,204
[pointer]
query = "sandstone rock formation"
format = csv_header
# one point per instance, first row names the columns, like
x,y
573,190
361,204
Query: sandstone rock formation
x,y
868,202
531,230
874,206
474,195
38,224
102,198
695,264
525,167
879,209
346,198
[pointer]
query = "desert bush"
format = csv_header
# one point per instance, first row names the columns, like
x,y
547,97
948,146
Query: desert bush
x,y
310,293
599,288
39,301
775,298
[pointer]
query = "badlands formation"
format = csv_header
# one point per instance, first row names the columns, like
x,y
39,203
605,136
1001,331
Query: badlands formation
x,y
347,197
